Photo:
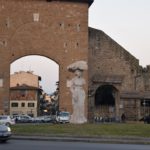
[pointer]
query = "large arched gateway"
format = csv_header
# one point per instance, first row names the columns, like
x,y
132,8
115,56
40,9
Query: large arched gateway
x,y
54,29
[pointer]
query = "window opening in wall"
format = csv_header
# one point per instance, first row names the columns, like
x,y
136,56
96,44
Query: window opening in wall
x,y
31,104
77,45
1,82
145,103
61,25
22,104
145,107
65,45
14,104
78,27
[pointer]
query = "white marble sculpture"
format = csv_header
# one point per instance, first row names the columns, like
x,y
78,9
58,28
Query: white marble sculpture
x,y
78,93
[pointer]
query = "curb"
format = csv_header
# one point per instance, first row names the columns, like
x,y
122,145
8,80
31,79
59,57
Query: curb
x,y
102,139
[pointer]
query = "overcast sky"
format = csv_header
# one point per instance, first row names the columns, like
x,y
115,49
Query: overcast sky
x,y
41,66
125,21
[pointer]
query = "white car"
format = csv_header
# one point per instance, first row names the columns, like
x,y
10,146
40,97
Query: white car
x,y
5,133
23,119
63,117
7,120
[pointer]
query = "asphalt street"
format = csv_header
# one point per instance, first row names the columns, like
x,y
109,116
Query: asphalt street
x,y
41,145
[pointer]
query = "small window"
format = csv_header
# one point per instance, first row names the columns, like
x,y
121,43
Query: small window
x,y
65,45
1,82
78,27
77,45
14,104
22,104
30,104
145,103
61,25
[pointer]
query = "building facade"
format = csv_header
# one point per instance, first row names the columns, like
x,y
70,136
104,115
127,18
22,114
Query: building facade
x,y
24,93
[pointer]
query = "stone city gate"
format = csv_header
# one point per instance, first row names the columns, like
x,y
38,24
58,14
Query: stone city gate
x,y
54,29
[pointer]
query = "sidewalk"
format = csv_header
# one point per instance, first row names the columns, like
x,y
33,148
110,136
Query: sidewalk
x,y
101,139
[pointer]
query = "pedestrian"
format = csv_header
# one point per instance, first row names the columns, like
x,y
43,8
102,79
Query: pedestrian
x,y
123,118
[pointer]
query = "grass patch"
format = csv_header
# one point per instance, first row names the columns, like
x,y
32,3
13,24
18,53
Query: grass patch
x,y
141,130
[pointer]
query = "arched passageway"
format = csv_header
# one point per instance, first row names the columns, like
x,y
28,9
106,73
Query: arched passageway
x,y
33,86
105,101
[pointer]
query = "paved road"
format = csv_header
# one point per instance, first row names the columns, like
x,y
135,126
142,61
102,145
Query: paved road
x,y
43,145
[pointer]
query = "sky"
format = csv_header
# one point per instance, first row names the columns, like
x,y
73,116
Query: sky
x,y
125,21
41,66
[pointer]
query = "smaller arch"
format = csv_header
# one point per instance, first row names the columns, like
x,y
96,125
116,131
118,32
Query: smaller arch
x,y
106,103
105,95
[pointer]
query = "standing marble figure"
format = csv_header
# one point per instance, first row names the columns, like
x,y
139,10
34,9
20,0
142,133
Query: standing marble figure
x,y
78,93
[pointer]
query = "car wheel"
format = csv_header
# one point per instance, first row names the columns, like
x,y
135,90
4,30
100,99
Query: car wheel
x,y
7,124
4,141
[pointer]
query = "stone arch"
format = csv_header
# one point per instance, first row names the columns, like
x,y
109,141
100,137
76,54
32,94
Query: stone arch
x,y
106,101
35,71
41,42
105,95
34,39
34,54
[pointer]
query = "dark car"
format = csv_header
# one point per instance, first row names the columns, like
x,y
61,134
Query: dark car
x,y
147,119
5,133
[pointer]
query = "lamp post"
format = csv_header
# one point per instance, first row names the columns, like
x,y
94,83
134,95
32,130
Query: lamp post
x,y
144,104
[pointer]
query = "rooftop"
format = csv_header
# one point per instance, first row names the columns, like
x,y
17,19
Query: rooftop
x,y
84,1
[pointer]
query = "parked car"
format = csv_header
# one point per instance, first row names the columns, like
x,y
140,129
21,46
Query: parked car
x,y
45,119
39,119
63,117
147,119
23,119
7,120
5,133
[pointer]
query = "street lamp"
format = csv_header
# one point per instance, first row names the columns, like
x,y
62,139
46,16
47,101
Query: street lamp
x,y
144,104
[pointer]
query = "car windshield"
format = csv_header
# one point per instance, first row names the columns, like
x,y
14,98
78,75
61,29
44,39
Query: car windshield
x,y
64,114
3,117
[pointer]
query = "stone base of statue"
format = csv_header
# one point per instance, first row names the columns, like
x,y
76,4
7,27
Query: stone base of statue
x,y
76,120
